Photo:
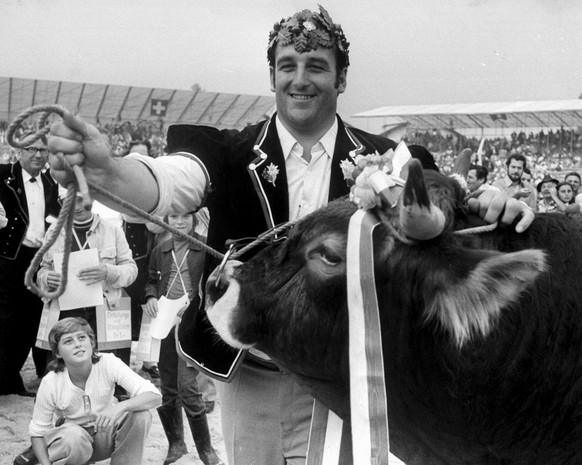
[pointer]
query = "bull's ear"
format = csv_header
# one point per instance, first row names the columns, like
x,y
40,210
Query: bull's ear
x,y
470,307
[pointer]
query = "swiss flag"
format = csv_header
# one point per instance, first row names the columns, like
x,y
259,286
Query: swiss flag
x,y
158,107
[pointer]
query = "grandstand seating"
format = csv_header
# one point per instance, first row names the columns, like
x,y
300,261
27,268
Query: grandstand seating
x,y
552,152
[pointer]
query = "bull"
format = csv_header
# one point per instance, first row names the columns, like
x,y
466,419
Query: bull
x,y
481,334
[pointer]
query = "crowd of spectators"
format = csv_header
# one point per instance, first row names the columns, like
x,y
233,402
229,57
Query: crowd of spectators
x,y
120,136
547,152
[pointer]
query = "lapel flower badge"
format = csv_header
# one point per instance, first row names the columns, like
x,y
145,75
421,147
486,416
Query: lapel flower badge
x,y
270,173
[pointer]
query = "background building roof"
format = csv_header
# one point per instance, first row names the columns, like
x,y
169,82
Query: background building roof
x,y
117,104
532,114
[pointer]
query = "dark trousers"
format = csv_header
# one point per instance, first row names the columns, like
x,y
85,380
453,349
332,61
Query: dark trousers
x,y
20,312
136,291
178,381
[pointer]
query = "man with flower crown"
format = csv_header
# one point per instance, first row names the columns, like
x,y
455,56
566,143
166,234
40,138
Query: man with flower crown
x,y
252,180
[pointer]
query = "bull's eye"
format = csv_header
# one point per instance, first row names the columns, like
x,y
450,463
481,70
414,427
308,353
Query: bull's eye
x,y
326,256
329,258
326,252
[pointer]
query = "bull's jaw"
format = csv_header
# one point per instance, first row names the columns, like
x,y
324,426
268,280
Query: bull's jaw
x,y
221,311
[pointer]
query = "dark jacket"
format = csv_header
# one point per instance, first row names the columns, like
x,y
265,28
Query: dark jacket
x,y
13,198
160,266
242,203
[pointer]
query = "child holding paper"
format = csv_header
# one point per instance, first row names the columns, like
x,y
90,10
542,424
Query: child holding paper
x,y
174,273
76,418
115,269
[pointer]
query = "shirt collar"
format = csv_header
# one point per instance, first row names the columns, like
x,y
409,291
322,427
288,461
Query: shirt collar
x,y
26,176
288,141
509,182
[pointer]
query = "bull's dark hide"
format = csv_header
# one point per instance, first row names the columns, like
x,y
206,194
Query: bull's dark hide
x,y
482,349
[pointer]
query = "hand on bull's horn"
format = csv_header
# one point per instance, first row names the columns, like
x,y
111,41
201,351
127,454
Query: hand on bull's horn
x,y
494,206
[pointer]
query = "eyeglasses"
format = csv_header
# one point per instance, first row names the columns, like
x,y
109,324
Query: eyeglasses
x,y
32,151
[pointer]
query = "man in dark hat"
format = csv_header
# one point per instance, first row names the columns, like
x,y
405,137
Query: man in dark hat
x,y
546,183
548,197
251,180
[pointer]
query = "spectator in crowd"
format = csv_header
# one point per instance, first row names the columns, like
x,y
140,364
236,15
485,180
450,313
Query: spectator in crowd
x,y
511,183
116,268
573,178
175,270
575,181
566,193
78,393
527,178
143,147
477,178
265,414
549,201
29,195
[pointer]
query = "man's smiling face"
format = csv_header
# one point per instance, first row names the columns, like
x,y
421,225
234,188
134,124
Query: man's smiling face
x,y
306,86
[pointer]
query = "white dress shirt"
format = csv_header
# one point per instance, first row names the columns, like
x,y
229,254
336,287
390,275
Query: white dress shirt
x,y
35,202
308,182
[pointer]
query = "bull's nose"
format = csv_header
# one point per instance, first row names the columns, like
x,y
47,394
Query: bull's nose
x,y
215,289
219,280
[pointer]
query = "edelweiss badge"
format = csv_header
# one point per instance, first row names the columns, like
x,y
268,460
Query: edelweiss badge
x,y
270,173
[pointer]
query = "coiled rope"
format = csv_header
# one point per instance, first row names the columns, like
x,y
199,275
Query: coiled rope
x,y
82,185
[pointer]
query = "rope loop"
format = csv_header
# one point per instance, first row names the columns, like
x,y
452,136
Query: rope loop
x,y
45,111
82,185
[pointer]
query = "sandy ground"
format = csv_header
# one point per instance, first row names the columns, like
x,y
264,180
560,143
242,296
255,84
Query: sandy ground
x,y
16,411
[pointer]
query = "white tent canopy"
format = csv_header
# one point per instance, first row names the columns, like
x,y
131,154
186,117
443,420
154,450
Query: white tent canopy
x,y
479,116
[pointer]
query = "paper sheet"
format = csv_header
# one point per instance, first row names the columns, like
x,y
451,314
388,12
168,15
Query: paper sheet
x,y
78,294
167,313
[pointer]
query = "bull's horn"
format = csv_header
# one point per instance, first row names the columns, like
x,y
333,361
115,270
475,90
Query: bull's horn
x,y
419,218
463,162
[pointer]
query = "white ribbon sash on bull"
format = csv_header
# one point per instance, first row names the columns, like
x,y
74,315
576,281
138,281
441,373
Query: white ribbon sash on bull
x,y
368,400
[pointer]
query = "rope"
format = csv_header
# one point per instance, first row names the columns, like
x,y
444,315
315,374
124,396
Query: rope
x,y
65,219
82,185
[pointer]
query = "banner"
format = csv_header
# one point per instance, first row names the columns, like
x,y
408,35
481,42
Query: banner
x,y
114,325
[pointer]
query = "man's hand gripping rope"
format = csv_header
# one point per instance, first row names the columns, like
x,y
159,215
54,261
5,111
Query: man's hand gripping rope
x,y
66,215
80,184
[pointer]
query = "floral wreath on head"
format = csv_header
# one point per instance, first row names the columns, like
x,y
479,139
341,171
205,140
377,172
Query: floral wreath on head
x,y
307,31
